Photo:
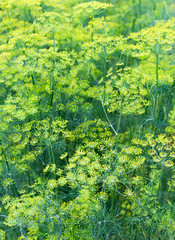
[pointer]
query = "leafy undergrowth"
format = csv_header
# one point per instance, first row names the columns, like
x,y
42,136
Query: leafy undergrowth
x,y
87,120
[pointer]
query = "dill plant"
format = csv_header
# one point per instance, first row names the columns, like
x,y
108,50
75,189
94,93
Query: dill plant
x,y
87,143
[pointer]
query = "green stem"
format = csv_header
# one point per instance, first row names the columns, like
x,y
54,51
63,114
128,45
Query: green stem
x,y
51,156
157,84
157,69
130,127
92,34
54,41
104,65
159,192
140,8
113,129
118,126
52,76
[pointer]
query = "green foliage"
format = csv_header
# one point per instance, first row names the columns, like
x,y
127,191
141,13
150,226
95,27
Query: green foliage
x,y
87,120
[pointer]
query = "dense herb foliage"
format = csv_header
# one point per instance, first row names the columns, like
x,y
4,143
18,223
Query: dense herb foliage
x,y
87,120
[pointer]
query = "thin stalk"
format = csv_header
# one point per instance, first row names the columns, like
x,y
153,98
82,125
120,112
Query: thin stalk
x,y
118,125
21,231
51,157
160,183
60,231
104,65
92,34
54,42
140,8
110,124
130,128
157,84
52,77
116,153
157,69
134,16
